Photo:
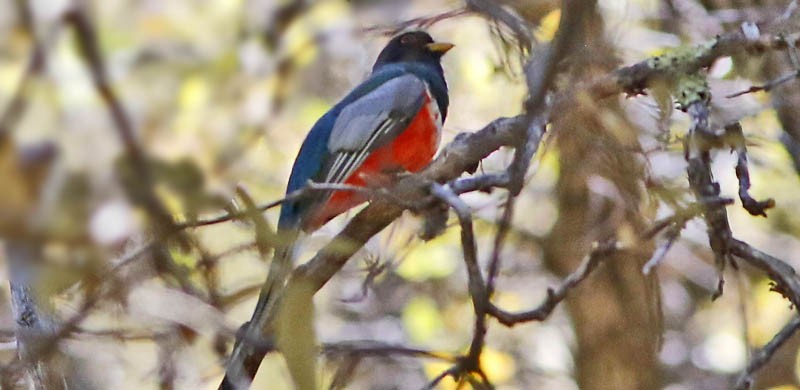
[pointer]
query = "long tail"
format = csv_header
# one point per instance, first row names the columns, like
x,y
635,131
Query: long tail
x,y
254,339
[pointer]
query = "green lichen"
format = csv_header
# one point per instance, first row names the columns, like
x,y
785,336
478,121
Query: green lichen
x,y
691,88
679,66
682,58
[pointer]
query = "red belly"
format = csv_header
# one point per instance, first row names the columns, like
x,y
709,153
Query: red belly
x,y
411,151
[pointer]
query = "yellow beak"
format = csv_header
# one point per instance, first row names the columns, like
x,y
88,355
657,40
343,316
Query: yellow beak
x,y
439,47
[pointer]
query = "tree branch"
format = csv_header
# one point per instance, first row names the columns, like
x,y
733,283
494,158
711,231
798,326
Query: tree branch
x,y
763,356
600,252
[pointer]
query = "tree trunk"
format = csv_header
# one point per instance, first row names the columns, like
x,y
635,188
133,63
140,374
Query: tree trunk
x,y
600,196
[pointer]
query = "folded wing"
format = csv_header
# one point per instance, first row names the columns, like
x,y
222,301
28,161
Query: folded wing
x,y
370,122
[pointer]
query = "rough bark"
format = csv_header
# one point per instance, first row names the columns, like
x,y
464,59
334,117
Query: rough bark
x,y
615,313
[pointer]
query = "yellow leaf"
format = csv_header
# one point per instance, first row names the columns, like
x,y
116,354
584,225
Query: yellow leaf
x,y
770,313
194,93
300,44
547,29
434,369
422,319
498,366
430,261
509,301
186,259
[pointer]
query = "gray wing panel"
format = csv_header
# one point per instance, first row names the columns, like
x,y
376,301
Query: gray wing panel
x,y
398,99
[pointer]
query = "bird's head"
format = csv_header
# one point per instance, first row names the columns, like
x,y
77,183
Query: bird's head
x,y
414,46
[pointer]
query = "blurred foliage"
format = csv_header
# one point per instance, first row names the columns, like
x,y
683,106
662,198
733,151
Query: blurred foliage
x,y
222,93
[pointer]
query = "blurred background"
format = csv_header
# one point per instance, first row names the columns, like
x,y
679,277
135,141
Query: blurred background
x,y
220,94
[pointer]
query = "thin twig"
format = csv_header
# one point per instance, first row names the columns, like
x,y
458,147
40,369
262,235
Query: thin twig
x,y
503,227
499,14
438,378
37,63
477,287
484,183
781,273
735,138
763,356
674,225
376,348
294,195
89,46
672,235
769,85
421,22
600,252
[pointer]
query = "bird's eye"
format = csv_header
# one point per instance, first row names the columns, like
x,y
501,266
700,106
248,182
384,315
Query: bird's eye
x,y
408,39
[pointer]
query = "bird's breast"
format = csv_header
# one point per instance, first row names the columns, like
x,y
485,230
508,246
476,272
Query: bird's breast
x,y
414,148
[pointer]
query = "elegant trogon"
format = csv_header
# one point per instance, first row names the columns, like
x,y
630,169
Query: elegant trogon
x,y
389,123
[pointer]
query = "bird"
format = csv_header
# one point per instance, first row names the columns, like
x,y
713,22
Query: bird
x,y
388,124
